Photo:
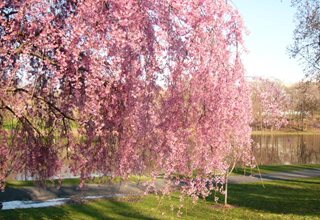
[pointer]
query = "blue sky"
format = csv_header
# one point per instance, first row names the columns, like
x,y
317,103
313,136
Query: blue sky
x,y
271,25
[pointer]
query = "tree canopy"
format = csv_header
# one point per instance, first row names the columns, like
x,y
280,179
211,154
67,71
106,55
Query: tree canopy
x,y
123,87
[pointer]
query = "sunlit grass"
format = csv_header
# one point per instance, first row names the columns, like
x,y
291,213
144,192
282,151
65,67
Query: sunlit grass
x,y
76,181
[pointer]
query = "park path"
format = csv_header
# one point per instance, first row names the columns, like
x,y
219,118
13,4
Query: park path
x,y
304,173
30,197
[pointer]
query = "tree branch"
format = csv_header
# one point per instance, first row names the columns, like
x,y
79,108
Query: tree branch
x,y
23,119
45,101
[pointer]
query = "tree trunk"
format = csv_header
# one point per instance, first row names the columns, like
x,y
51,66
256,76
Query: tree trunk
x,y
226,189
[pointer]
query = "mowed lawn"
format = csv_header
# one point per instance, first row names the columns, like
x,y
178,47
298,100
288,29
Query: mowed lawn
x,y
292,199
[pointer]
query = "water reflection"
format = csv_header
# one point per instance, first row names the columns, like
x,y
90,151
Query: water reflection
x,y
287,149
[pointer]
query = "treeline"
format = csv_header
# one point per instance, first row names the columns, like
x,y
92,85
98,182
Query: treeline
x,y
277,106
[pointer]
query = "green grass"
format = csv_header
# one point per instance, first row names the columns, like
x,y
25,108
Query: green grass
x,y
265,169
76,181
18,183
294,199
23,183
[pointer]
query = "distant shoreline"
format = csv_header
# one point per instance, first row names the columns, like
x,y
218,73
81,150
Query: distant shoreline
x,y
286,132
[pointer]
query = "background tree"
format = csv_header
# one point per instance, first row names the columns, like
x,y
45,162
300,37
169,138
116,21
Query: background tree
x,y
305,104
270,103
306,46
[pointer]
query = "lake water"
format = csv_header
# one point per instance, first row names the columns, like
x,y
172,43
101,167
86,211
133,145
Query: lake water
x,y
287,149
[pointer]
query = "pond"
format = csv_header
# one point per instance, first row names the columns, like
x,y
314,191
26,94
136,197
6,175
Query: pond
x,y
287,149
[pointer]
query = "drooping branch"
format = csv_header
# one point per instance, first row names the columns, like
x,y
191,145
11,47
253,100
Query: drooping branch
x,y
24,120
52,106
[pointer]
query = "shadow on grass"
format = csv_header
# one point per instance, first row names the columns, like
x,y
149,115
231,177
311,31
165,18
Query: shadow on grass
x,y
299,197
11,194
100,209
108,209
53,213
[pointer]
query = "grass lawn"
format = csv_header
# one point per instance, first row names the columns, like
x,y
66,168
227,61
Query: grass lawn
x,y
294,199
76,181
